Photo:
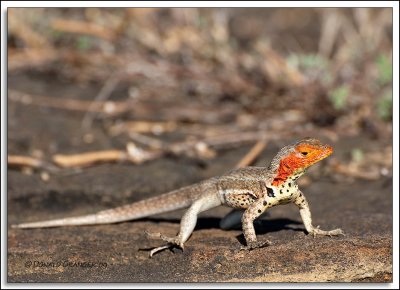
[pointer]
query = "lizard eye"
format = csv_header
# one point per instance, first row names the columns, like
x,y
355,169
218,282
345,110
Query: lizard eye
x,y
304,153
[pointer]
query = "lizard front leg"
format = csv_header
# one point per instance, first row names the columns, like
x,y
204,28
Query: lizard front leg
x,y
233,220
251,213
305,213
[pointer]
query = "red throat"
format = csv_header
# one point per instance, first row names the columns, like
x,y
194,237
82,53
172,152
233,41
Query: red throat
x,y
287,167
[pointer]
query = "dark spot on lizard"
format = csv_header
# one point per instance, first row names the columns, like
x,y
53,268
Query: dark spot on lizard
x,y
270,192
287,190
259,211
290,184
281,191
264,203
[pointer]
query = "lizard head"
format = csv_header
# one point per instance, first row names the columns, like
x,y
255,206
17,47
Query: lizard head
x,y
293,160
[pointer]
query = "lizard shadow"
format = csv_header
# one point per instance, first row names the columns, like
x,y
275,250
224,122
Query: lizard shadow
x,y
265,226
262,226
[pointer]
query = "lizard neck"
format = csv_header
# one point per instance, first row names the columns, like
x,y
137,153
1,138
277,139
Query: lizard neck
x,y
286,172
282,178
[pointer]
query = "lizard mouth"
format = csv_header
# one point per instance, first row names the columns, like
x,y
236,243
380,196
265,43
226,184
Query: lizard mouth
x,y
328,150
325,152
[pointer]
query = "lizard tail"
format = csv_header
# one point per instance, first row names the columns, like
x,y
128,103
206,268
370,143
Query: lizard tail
x,y
173,200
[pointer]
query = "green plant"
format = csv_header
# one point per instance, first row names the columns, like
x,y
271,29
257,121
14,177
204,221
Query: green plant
x,y
83,42
384,66
339,96
385,105
357,154
313,65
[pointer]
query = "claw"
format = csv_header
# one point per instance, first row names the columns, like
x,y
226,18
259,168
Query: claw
x,y
159,249
172,242
337,232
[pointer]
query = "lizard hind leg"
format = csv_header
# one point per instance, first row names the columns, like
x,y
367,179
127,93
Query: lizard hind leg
x,y
188,223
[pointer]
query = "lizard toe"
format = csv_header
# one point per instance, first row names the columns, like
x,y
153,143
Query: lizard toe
x,y
255,245
336,232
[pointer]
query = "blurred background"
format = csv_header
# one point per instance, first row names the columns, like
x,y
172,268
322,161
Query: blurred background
x,y
191,82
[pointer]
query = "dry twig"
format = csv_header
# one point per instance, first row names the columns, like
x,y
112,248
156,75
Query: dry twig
x,y
132,154
105,107
254,152
20,161
103,95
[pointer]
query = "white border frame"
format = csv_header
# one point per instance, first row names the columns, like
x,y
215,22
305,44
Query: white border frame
x,y
393,4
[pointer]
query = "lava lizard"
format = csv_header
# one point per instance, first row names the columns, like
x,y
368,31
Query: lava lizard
x,y
254,189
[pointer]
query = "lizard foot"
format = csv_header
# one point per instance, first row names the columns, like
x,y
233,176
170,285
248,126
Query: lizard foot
x,y
161,248
316,231
255,245
172,242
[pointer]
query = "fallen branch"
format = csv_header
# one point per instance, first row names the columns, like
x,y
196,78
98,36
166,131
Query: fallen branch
x,y
107,107
254,152
85,159
132,154
153,127
193,148
101,97
19,161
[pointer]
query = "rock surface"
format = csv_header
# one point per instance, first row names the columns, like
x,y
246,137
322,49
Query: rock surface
x,y
118,253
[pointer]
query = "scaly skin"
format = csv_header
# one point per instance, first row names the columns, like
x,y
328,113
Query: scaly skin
x,y
252,189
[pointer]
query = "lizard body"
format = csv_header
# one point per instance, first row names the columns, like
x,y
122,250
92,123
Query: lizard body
x,y
252,189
